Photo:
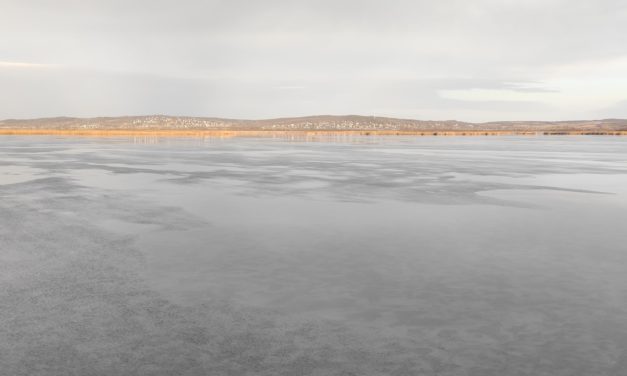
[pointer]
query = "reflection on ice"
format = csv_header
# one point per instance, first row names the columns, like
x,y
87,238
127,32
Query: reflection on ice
x,y
362,255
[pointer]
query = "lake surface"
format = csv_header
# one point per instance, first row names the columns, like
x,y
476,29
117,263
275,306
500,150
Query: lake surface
x,y
324,256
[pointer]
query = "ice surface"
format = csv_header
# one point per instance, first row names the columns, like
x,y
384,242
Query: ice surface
x,y
360,256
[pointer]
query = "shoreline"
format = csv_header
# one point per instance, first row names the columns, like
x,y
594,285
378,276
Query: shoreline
x,y
289,133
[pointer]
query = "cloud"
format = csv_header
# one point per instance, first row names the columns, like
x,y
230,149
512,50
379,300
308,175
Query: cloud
x,y
501,95
22,65
281,57
292,87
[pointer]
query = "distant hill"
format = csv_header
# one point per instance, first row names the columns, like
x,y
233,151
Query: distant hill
x,y
311,123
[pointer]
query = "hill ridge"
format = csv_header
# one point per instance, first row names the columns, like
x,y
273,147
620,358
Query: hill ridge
x,y
306,123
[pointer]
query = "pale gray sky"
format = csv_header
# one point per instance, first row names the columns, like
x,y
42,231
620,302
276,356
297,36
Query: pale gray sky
x,y
448,59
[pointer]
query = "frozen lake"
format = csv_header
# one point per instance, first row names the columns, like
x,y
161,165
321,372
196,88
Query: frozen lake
x,y
330,256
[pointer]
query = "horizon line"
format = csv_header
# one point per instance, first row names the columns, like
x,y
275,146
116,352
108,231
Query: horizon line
x,y
300,117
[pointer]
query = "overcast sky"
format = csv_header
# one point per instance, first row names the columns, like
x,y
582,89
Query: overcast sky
x,y
474,60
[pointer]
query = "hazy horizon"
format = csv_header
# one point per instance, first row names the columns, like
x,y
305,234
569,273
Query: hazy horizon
x,y
302,116
476,62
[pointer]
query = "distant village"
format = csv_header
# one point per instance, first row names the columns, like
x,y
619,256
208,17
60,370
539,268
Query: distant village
x,y
310,123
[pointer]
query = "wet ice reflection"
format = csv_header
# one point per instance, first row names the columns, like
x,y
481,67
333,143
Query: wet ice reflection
x,y
370,255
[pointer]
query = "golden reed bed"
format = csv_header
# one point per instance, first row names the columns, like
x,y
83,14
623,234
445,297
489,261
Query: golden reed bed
x,y
278,133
